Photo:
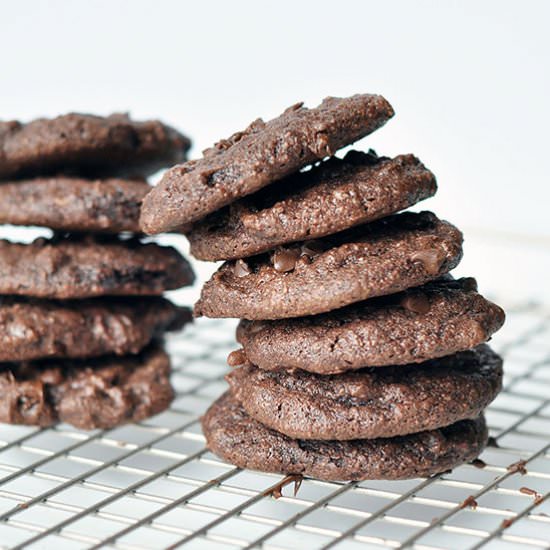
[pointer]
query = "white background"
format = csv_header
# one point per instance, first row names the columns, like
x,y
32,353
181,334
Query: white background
x,y
469,81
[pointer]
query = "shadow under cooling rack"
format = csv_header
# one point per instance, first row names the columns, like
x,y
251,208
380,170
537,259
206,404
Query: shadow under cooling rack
x,y
154,485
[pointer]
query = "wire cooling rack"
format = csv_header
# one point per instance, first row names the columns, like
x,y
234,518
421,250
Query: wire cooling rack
x,y
154,485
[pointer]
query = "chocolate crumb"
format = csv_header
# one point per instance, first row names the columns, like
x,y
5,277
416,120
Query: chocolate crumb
x,y
236,358
492,442
478,463
518,467
470,502
531,493
277,490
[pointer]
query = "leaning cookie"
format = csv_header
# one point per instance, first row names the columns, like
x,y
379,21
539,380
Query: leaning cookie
x,y
83,267
434,320
37,329
74,204
334,196
97,393
237,438
258,156
371,402
383,257
88,145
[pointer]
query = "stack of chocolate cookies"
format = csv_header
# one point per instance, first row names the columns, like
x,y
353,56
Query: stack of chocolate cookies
x,y
361,356
81,312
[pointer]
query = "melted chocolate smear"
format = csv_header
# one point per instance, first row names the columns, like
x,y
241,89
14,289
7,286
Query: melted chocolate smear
x,y
478,463
417,303
518,467
506,523
241,269
470,502
277,490
532,493
430,259
236,358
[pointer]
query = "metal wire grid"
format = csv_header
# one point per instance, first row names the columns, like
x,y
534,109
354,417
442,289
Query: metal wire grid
x,y
154,485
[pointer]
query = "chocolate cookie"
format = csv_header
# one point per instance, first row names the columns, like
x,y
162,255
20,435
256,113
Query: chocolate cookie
x,y
83,267
372,402
98,393
36,329
437,319
88,145
74,204
258,156
375,259
237,438
336,195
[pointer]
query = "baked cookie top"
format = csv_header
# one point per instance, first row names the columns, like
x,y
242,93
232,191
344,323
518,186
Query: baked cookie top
x,y
82,267
237,438
88,145
262,154
331,197
383,257
66,203
371,402
32,328
96,393
434,320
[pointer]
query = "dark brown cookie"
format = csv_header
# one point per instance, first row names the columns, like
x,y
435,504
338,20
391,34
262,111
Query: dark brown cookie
x,y
258,156
375,259
97,393
336,195
237,438
37,329
74,204
88,145
437,319
371,402
84,267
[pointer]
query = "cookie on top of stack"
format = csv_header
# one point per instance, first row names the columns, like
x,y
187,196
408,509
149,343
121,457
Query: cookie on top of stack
x,y
82,312
361,356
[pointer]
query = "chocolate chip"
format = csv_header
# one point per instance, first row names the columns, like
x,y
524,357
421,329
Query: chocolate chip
x,y
284,260
469,283
430,259
478,463
241,269
236,358
417,303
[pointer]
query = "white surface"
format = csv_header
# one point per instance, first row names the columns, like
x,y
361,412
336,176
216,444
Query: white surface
x,y
469,81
